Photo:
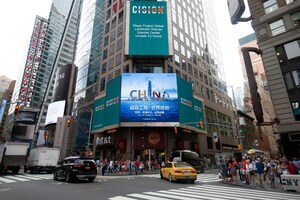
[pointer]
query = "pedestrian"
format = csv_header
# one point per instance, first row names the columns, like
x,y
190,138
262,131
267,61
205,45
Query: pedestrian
x,y
244,171
233,170
278,170
272,175
136,166
250,172
141,167
260,172
223,170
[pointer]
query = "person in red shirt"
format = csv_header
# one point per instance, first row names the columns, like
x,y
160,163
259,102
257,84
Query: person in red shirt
x,y
292,168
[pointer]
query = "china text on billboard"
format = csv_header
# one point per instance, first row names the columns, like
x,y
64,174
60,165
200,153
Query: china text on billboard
x,y
142,95
148,9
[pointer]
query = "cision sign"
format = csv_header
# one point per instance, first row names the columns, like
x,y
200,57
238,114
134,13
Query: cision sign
x,y
147,29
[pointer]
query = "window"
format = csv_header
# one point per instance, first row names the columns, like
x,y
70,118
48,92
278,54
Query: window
x,y
112,36
176,45
120,30
112,49
296,18
209,142
104,54
177,61
120,16
277,27
292,49
296,77
103,70
119,44
106,40
118,59
107,26
114,22
102,84
289,1
270,6
296,110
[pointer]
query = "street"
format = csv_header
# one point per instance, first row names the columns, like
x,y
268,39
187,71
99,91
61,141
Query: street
x,y
208,186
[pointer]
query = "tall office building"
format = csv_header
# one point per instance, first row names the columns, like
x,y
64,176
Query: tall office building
x,y
60,45
4,84
276,25
183,49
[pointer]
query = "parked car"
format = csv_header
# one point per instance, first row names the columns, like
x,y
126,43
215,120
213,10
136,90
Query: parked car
x,y
175,171
73,168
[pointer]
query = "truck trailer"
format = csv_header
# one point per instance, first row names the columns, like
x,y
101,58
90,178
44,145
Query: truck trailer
x,y
42,159
13,156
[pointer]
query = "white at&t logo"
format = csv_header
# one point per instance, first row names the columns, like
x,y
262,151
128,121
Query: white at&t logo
x,y
148,9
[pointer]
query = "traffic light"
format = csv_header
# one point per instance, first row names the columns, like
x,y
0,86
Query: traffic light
x,y
239,146
175,130
200,124
68,122
17,109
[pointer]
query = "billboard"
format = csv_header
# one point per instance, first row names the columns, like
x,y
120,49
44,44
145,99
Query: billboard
x,y
98,114
55,110
150,97
26,117
2,108
148,30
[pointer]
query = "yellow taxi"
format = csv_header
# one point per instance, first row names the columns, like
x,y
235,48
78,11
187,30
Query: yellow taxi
x,y
176,171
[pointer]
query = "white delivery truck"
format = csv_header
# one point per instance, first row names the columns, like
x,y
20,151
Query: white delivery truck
x,y
42,159
13,155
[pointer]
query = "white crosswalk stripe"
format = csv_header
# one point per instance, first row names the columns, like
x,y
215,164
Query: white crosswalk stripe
x,y
210,192
24,177
202,178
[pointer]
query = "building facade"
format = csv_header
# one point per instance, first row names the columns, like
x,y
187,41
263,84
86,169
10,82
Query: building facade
x,y
193,55
276,25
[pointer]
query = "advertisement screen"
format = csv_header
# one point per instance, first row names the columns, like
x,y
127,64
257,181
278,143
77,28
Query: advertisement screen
x,y
149,97
147,29
26,117
2,108
55,110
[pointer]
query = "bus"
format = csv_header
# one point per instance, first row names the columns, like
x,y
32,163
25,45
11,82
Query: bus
x,y
189,157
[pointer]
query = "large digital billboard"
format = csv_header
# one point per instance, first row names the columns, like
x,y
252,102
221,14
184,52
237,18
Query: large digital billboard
x,y
150,97
148,30
55,110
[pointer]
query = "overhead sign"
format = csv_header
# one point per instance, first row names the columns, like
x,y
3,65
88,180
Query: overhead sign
x,y
148,30
236,9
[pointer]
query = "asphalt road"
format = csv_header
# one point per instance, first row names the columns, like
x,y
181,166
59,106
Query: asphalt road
x,y
41,186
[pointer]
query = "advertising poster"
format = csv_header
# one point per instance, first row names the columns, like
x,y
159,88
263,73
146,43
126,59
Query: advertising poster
x,y
112,104
185,101
98,114
2,109
147,29
149,97
198,113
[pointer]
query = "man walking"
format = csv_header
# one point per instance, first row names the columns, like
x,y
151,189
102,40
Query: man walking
x,y
260,172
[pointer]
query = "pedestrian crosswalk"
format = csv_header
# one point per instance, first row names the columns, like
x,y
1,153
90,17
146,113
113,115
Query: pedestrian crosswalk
x,y
209,192
201,178
24,177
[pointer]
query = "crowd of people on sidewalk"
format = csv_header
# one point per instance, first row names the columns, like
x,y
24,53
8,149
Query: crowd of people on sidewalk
x,y
127,166
257,171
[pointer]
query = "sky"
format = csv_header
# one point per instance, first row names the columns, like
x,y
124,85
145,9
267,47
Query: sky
x,y
17,23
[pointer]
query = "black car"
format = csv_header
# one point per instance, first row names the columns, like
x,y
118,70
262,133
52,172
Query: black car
x,y
73,168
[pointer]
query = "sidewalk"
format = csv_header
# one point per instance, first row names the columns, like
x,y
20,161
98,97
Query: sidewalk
x,y
266,185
